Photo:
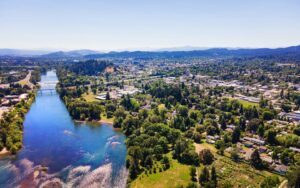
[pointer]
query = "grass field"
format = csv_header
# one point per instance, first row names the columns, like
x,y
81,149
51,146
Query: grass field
x,y
245,103
89,97
177,175
23,82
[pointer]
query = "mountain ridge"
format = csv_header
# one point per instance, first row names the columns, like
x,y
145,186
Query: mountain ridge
x,y
187,51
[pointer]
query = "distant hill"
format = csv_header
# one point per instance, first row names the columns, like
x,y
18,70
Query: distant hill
x,y
213,52
73,53
18,52
180,52
45,53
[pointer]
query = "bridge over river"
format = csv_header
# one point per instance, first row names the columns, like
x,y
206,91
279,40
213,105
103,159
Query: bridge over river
x,y
46,91
47,87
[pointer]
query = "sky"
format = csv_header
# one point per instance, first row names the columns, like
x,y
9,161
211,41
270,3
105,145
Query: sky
x,y
148,24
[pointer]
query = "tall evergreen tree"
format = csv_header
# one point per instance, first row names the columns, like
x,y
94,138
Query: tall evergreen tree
x,y
255,159
236,135
204,176
214,179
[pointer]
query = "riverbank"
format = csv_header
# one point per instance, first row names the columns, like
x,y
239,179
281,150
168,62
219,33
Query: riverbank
x,y
104,120
12,124
4,152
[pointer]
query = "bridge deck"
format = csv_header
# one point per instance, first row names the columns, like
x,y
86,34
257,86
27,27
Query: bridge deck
x,y
46,91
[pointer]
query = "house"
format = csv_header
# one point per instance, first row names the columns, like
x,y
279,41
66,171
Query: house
x,y
266,159
212,139
229,130
248,144
23,96
231,126
293,115
262,149
254,141
3,110
9,97
247,154
281,169
295,149
147,107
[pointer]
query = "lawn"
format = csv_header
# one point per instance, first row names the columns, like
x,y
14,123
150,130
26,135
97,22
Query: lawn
x,y
204,145
23,82
90,97
245,103
176,175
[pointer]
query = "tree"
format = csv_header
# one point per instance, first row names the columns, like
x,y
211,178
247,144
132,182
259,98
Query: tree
x,y
130,124
253,124
212,130
148,161
234,154
285,156
271,137
163,142
133,170
293,176
197,137
129,103
263,102
158,151
254,112
296,131
206,157
166,162
192,185
204,176
214,176
281,93
255,159
241,109
180,146
222,121
107,97
242,122
193,173
236,135
286,107
267,115
270,182
183,111
261,130
135,153
118,122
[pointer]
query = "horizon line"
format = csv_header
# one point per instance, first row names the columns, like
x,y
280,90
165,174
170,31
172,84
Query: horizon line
x,y
173,48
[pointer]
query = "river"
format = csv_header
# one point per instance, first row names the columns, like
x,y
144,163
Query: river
x,y
58,152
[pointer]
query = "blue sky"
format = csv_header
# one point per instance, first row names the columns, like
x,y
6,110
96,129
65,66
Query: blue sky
x,y
148,24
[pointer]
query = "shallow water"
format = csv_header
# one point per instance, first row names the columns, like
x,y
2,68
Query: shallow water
x,y
75,154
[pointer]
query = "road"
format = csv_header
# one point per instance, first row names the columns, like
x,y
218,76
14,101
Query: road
x,y
26,80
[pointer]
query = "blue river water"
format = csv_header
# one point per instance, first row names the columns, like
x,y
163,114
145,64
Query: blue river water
x,y
60,153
